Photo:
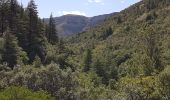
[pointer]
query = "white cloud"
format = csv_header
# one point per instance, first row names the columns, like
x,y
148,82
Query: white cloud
x,y
122,1
71,12
95,1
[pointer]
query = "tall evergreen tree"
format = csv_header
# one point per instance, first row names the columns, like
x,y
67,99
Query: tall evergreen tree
x,y
1,49
22,28
12,53
33,19
35,37
87,60
99,68
12,18
52,32
3,14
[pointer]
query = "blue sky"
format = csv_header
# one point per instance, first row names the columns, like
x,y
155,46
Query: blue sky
x,y
80,7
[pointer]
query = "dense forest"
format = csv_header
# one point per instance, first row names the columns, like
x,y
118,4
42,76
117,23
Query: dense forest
x,y
126,57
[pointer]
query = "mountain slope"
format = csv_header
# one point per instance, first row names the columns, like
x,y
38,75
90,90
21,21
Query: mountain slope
x,y
70,24
139,33
149,12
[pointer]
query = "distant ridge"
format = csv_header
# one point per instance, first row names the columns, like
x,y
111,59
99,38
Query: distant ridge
x,y
71,24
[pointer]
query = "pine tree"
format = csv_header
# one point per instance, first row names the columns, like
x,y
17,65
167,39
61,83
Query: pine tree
x,y
61,46
22,29
12,17
33,19
63,54
3,16
108,32
52,34
87,60
12,53
98,67
1,49
35,36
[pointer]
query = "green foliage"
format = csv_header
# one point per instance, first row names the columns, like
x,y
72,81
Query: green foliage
x,y
164,81
25,25
51,31
151,47
21,93
37,62
1,48
87,60
129,50
35,36
59,83
106,33
126,57
99,69
59,54
138,88
90,88
12,54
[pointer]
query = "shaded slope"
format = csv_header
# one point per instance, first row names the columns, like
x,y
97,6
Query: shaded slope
x,y
70,24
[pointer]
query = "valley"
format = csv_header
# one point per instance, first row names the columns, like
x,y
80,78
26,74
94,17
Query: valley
x,y
118,56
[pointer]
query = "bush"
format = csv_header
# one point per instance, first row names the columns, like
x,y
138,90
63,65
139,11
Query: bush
x,y
139,88
59,83
164,79
22,93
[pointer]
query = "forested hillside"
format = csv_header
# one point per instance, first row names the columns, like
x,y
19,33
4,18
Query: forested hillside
x,y
68,25
127,57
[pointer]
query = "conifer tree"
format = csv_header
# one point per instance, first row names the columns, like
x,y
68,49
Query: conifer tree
x,y
13,10
52,32
12,53
87,60
35,35
22,29
98,67
3,14
33,19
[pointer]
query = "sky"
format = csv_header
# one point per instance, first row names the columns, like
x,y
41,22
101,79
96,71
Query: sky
x,y
87,8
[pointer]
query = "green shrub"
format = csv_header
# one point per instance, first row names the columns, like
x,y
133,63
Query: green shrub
x,y
22,93
57,82
164,86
